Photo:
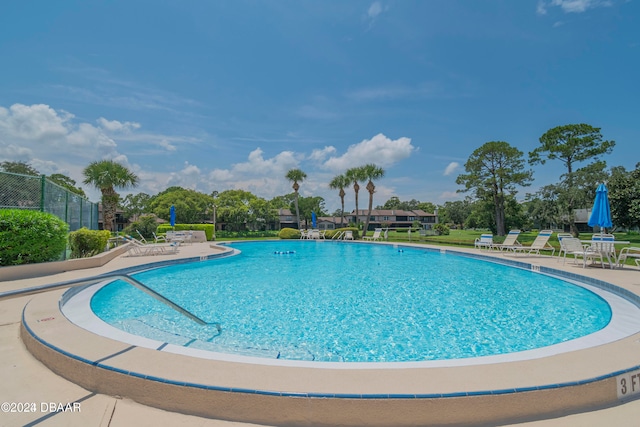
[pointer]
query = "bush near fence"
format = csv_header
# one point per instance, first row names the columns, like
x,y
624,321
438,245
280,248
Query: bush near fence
x,y
207,228
85,243
37,193
28,237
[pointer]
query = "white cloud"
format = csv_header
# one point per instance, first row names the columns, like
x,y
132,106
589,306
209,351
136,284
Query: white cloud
x,y
116,126
320,155
451,168
380,150
45,134
571,6
258,165
36,122
374,10
12,151
541,8
189,177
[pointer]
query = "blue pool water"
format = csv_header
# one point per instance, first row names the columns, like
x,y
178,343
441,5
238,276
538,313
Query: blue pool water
x,y
330,301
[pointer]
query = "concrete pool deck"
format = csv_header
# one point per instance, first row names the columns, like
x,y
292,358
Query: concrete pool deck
x,y
25,380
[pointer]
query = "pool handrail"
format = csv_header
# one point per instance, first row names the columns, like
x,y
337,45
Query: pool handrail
x,y
136,283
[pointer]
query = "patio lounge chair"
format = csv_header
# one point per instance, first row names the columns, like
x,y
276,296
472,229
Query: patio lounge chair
x,y
138,248
540,243
510,242
159,239
484,241
629,252
348,235
375,236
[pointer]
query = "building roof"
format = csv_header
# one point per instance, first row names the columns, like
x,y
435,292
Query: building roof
x,y
392,212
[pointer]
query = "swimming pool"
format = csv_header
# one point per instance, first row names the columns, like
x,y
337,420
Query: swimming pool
x,y
336,302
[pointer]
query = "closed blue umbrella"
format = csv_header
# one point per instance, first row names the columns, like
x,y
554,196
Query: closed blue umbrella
x,y
172,216
314,220
601,212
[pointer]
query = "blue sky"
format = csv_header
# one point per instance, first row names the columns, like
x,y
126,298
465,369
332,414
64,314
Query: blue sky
x,y
220,95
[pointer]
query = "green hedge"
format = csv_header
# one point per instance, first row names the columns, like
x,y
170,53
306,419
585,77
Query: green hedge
x,y
207,228
245,234
28,237
289,233
85,243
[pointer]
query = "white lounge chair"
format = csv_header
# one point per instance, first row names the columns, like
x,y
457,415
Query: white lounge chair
x,y
484,241
138,248
375,236
348,235
160,238
540,243
510,242
629,252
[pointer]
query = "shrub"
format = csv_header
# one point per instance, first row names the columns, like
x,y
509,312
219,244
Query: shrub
x,y
246,233
28,237
146,225
86,243
207,228
289,233
442,229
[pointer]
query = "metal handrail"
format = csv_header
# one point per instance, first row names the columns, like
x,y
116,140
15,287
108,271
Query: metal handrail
x,y
136,283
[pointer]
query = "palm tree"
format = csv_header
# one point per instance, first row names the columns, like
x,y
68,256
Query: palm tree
x,y
340,182
107,175
354,175
296,176
371,172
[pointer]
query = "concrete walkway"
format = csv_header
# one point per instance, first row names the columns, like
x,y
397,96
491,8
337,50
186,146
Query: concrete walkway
x,y
25,384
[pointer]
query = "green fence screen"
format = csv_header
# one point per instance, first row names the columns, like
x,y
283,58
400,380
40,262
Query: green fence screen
x,y
38,193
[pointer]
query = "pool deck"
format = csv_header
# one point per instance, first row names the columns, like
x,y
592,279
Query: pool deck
x,y
25,380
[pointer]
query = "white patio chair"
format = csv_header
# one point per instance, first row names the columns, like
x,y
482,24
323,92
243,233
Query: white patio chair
x,y
573,246
560,237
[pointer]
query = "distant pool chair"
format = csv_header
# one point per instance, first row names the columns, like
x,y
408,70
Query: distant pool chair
x,y
375,236
510,242
539,244
629,252
485,241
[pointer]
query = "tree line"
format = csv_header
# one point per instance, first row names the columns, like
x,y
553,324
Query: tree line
x,y
493,175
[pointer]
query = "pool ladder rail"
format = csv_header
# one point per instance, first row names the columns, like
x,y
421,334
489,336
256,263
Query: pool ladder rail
x,y
136,283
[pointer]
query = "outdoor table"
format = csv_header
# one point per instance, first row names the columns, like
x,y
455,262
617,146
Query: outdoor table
x,y
606,248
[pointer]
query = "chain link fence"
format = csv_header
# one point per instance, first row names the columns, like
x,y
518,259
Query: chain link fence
x,y
38,193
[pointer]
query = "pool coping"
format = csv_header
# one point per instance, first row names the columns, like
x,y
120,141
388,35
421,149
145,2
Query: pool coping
x,y
560,392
